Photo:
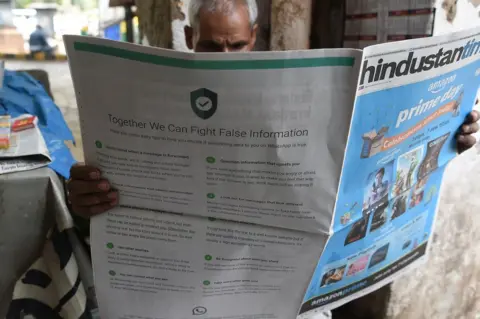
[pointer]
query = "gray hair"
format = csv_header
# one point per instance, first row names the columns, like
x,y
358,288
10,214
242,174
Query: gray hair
x,y
211,5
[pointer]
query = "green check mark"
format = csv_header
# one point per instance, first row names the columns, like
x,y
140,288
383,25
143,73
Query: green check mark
x,y
204,103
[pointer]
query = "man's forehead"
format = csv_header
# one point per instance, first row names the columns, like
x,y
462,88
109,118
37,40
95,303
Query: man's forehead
x,y
236,21
225,6
228,12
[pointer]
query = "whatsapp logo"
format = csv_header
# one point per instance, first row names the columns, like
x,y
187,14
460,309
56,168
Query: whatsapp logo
x,y
204,103
198,311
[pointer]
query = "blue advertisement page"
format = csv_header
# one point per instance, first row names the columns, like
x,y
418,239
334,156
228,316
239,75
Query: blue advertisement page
x,y
400,140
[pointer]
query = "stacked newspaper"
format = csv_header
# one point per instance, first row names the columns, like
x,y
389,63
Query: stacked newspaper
x,y
2,70
266,185
22,146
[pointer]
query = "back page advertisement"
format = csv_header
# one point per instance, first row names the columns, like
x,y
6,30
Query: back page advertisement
x,y
412,98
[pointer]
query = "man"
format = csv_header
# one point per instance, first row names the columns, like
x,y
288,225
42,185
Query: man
x,y
379,187
215,26
38,42
222,25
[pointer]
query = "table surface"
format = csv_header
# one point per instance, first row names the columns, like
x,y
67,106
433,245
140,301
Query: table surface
x,y
28,205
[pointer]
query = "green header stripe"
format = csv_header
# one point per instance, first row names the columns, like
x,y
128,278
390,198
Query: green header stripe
x,y
214,65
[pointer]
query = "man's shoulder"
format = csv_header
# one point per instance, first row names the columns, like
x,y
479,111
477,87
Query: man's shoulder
x,y
34,34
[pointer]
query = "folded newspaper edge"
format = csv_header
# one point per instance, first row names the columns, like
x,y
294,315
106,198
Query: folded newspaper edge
x,y
27,149
434,77
2,72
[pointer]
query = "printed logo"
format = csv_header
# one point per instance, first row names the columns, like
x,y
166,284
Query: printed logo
x,y
374,70
198,311
440,85
204,103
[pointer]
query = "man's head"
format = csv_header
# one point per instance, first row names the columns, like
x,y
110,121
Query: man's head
x,y
39,27
222,25
379,175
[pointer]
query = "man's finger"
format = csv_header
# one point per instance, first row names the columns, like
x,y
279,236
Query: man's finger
x,y
470,128
94,199
85,172
465,142
87,212
78,187
473,117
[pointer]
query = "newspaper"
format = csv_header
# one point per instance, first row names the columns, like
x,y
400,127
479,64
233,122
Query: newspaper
x,y
228,168
2,70
26,149
412,97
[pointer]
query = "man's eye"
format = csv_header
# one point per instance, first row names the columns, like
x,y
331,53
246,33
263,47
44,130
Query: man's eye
x,y
238,46
214,46
209,47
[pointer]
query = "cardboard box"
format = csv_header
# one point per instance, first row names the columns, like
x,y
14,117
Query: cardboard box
x,y
11,41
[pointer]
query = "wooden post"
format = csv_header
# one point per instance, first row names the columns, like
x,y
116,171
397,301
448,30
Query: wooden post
x,y
263,21
155,22
328,21
290,24
179,13
129,22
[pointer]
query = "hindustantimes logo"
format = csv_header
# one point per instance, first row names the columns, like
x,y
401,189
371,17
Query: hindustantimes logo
x,y
412,63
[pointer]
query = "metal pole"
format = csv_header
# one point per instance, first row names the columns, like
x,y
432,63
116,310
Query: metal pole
x,y
6,15
129,22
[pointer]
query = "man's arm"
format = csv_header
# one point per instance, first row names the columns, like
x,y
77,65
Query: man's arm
x,y
43,39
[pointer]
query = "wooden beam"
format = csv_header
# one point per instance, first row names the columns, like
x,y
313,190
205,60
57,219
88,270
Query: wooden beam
x,y
290,24
263,21
155,20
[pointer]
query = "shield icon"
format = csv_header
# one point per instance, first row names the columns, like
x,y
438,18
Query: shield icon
x,y
204,103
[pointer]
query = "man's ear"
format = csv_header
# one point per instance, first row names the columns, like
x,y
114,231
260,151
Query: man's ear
x,y
189,36
253,37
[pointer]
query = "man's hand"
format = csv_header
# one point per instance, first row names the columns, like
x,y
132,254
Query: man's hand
x,y
465,139
88,193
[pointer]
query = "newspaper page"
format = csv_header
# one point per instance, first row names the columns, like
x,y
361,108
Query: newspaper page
x,y
2,72
25,147
412,98
243,150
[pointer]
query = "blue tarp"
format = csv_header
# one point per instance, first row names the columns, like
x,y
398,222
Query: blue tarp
x,y
23,94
